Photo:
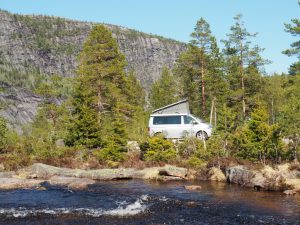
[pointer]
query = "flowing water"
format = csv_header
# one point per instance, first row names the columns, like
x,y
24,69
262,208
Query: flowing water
x,y
139,202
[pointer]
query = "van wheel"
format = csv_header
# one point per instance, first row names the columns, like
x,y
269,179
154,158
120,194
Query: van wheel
x,y
202,135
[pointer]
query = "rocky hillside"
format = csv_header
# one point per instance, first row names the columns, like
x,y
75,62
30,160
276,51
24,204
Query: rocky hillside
x,y
51,45
32,47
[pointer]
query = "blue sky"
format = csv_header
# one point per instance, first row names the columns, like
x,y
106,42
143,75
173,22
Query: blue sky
x,y
177,18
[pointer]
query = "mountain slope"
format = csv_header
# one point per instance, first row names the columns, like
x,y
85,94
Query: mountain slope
x,y
32,47
51,45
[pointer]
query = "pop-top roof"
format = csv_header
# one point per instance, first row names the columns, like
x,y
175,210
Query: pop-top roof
x,y
177,107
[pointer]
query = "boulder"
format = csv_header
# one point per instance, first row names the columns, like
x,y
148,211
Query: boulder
x,y
291,192
193,187
267,178
239,175
71,182
216,174
16,183
173,171
7,174
133,146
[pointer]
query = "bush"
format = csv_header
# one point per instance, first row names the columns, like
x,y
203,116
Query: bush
x,y
112,152
158,149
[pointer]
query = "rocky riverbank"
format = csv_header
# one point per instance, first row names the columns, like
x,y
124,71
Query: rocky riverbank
x,y
38,175
285,177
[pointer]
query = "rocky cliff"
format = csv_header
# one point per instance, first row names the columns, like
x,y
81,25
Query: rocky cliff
x,y
51,45
32,47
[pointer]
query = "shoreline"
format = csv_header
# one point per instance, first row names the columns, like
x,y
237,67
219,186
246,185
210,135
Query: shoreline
x,y
283,178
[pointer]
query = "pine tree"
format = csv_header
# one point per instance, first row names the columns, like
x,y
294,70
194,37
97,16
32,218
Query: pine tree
x,y
294,29
100,90
200,70
202,38
241,58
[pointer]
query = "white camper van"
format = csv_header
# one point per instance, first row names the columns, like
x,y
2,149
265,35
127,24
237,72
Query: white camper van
x,y
175,121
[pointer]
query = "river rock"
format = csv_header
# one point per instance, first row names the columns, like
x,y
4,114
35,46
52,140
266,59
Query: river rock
x,y
239,175
71,182
216,174
267,178
7,174
16,183
193,187
45,171
174,171
291,192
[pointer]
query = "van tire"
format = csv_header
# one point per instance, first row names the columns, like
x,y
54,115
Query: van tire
x,y
202,135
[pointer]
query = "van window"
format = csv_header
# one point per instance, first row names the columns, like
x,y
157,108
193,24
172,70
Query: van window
x,y
167,120
189,120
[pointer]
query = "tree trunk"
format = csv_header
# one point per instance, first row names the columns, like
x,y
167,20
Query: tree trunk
x,y
272,111
203,89
211,111
242,79
215,109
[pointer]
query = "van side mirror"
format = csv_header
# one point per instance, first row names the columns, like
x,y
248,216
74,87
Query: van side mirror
x,y
194,122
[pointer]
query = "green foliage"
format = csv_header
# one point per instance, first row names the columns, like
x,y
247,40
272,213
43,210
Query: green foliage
x,y
158,149
46,34
243,65
30,79
164,90
289,115
3,133
256,139
294,29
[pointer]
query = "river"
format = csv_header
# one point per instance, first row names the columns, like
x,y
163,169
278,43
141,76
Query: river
x,y
140,202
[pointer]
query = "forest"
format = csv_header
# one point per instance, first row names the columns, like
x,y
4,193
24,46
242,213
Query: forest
x,y
87,121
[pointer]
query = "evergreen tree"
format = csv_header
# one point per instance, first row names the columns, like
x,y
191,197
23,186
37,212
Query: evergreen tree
x,y
294,29
202,38
243,62
256,139
163,91
99,92
200,70
289,116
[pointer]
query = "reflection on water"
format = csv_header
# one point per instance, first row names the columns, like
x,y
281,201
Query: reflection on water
x,y
138,202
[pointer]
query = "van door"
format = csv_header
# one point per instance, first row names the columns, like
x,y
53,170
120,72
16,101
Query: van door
x,y
173,126
188,126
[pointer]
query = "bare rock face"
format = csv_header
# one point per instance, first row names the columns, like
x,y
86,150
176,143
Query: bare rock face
x,y
51,44
21,105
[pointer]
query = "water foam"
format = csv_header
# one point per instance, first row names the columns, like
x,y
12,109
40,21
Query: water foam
x,y
122,210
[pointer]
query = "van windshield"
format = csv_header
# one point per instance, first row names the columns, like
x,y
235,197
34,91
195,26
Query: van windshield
x,y
200,120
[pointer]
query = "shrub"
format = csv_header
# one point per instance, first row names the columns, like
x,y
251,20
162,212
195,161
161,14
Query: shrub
x,y
158,149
